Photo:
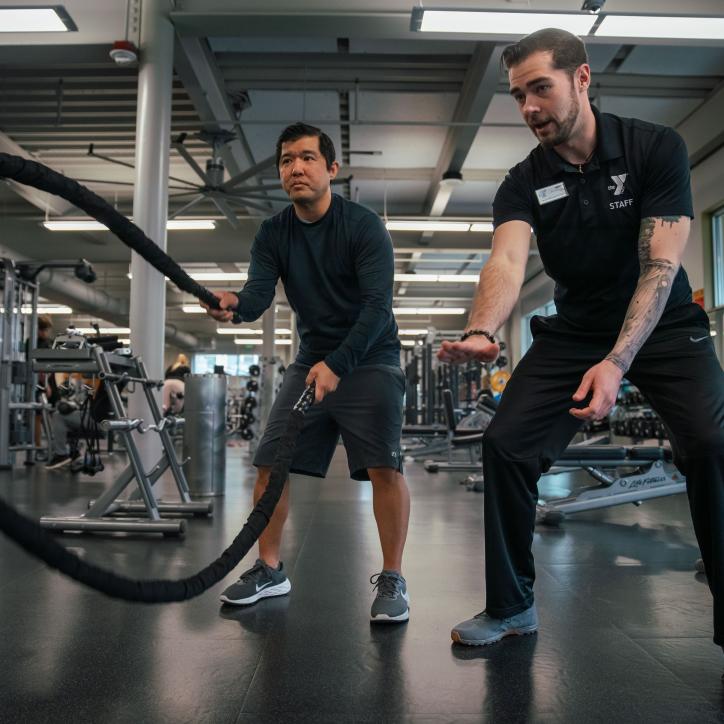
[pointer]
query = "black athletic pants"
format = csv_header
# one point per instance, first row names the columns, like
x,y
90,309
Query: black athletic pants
x,y
678,372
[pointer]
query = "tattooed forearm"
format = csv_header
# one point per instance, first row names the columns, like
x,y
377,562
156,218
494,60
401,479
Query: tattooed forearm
x,y
650,297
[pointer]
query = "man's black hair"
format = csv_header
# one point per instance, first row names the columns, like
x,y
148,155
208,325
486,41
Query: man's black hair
x,y
568,50
302,130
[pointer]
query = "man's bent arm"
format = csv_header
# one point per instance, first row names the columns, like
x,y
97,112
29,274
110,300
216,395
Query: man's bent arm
x,y
501,279
661,245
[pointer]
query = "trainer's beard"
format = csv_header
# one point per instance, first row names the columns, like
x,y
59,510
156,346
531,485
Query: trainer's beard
x,y
565,127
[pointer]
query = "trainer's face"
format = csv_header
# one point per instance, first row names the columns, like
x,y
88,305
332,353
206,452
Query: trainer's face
x,y
303,171
549,99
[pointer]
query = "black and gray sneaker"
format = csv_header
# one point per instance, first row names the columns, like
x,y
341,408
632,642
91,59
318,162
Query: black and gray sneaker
x,y
58,461
260,581
392,603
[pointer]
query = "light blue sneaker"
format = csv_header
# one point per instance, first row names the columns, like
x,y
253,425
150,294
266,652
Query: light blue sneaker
x,y
392,603
483,630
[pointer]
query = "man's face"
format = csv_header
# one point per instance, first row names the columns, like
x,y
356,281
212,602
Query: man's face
x,y
548,98
303,170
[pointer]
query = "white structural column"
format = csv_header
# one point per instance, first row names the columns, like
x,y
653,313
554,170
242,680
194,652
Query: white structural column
x,y
150,201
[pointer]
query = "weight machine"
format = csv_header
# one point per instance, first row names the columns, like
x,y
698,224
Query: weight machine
x,y
115,368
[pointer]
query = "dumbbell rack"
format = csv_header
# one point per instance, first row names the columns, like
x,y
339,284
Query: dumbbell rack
x,y
103,514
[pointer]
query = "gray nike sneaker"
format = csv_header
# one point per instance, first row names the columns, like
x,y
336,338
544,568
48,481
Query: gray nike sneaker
x,y
483,630
260,581
392,602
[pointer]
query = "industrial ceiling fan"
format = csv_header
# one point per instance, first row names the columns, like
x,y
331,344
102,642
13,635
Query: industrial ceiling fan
x,y
225,195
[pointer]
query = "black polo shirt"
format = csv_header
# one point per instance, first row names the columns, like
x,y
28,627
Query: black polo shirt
x,y
587,220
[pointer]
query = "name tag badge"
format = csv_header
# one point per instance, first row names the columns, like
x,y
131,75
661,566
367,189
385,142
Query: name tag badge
x,y
551,193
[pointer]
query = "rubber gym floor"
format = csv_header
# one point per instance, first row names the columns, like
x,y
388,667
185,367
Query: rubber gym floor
x,y
625,629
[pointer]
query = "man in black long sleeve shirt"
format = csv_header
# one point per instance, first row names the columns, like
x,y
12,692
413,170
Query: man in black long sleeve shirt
x,y
335,260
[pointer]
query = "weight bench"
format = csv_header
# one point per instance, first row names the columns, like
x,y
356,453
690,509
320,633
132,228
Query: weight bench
x,y
648,473
652,474
458,437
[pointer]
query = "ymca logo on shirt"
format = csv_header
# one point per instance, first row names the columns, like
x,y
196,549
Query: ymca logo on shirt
x,y
618,187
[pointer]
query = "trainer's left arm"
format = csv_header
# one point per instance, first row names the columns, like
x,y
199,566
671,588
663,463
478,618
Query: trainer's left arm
x,y
666,211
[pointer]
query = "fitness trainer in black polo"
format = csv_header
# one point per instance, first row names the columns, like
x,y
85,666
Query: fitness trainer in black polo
x,y
609,200
586,218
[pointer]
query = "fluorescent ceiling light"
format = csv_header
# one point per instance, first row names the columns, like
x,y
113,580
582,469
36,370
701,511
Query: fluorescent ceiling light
x,y
256,341
190,224
660,26
193,309
35,20
92,225
42,309
426,225
482,226
219,276
441,278
249,330
491,22
407,342
103,330
429,310
124,341
411,332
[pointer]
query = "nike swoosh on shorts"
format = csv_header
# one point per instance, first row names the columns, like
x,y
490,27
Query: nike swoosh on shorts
x,y
698,339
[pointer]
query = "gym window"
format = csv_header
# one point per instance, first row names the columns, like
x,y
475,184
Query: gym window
x,y
233,364
717,234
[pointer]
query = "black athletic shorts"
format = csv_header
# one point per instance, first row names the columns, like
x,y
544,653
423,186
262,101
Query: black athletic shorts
x,y
365,409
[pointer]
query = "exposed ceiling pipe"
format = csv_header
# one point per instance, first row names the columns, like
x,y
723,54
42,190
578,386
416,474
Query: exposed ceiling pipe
x,y
66,289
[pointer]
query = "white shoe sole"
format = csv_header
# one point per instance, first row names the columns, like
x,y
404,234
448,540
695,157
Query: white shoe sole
x,y
281,589
525,631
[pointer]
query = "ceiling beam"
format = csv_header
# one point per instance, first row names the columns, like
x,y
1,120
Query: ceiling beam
x,y
479,87
195,65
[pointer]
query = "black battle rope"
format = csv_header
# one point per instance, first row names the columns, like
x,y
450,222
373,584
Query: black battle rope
x,y
34,539
32,173
37,541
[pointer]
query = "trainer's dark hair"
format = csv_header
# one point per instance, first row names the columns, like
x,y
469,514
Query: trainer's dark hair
x,y
302,130
568,50
44,322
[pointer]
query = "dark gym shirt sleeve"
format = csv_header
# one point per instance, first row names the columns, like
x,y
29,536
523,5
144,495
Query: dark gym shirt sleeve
x,y
513,200
374,264
667,185
258,292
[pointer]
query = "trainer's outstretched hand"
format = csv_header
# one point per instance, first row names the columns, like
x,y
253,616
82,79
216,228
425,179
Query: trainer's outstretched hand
x,y
476,347
326,380
228,301
601,382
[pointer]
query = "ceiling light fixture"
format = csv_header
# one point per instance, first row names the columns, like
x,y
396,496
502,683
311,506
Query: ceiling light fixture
x,y
90,225
219,276
494,22
661,26
428,310
53,19
438,278
426,225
